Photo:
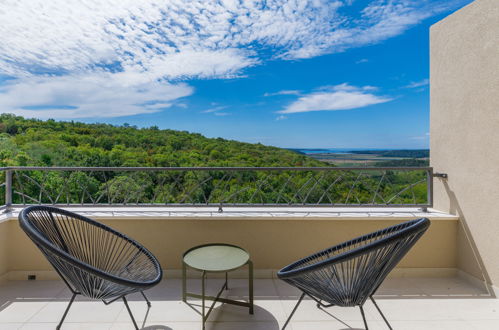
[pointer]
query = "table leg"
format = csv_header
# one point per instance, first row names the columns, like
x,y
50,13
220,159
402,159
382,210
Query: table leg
x,y
203,288
226,281
250,285
184,282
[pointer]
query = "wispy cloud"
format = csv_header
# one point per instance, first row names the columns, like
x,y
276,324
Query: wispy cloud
x,y
340,97
363,60
425,136
281,117
417,84
215,109
345,87
283,92
96,95
148,44
222,114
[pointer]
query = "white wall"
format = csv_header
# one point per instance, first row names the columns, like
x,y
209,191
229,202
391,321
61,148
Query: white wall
x,y
465,131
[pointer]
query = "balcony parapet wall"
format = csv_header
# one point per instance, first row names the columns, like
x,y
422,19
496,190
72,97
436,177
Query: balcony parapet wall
x,y
274,237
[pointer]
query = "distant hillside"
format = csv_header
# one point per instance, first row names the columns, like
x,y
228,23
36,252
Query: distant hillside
x,y
405,153
55,143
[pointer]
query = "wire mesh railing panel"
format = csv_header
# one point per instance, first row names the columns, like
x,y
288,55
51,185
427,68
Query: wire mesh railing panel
x,y
231,186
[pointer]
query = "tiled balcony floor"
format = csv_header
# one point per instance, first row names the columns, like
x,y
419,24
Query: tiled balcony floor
x,y
409,303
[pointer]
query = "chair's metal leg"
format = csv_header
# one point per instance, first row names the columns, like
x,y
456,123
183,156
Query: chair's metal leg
x,y
184,282
67,310
147,300
130,312
382,315
294,310
364,317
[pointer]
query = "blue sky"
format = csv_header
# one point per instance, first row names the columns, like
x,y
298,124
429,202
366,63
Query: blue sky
x,y
304,74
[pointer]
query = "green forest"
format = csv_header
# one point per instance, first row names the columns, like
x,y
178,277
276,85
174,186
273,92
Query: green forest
x,y
31,142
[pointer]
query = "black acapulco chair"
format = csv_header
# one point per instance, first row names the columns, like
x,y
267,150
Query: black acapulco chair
x,y
348,274
92,259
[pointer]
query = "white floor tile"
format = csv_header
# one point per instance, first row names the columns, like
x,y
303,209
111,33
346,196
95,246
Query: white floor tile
x,y
408,303
10,326
20,311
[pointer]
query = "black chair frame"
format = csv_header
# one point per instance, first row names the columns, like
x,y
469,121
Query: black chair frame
x,y
348,274
63,237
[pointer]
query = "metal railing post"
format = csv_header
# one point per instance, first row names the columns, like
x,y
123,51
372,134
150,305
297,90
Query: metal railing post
x,y
8,189
429,187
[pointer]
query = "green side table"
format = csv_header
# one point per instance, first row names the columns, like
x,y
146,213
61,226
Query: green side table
x,y
216,258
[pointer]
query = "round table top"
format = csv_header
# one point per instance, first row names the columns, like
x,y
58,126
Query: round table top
x,y
216,257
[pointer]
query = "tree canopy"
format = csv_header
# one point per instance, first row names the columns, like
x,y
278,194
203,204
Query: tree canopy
x,y
31,142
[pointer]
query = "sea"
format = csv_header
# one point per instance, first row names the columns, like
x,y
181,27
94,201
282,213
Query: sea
x,y
341,151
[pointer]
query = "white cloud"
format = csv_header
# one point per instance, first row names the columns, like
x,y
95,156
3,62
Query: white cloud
x,y
85,96
222,114
225,63
362,60
215,109
180,38
159,105
340,97
426,136
283,92
143,45
345,87
281,117
416,84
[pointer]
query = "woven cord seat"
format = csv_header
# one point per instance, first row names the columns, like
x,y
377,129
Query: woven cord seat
x,y
348,274
92,259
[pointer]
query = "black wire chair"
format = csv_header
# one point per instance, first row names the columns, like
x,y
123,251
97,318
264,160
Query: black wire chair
x,y
92,259
347,274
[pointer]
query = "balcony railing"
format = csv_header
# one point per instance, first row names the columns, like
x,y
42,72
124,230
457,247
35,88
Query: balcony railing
x,y
218,186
